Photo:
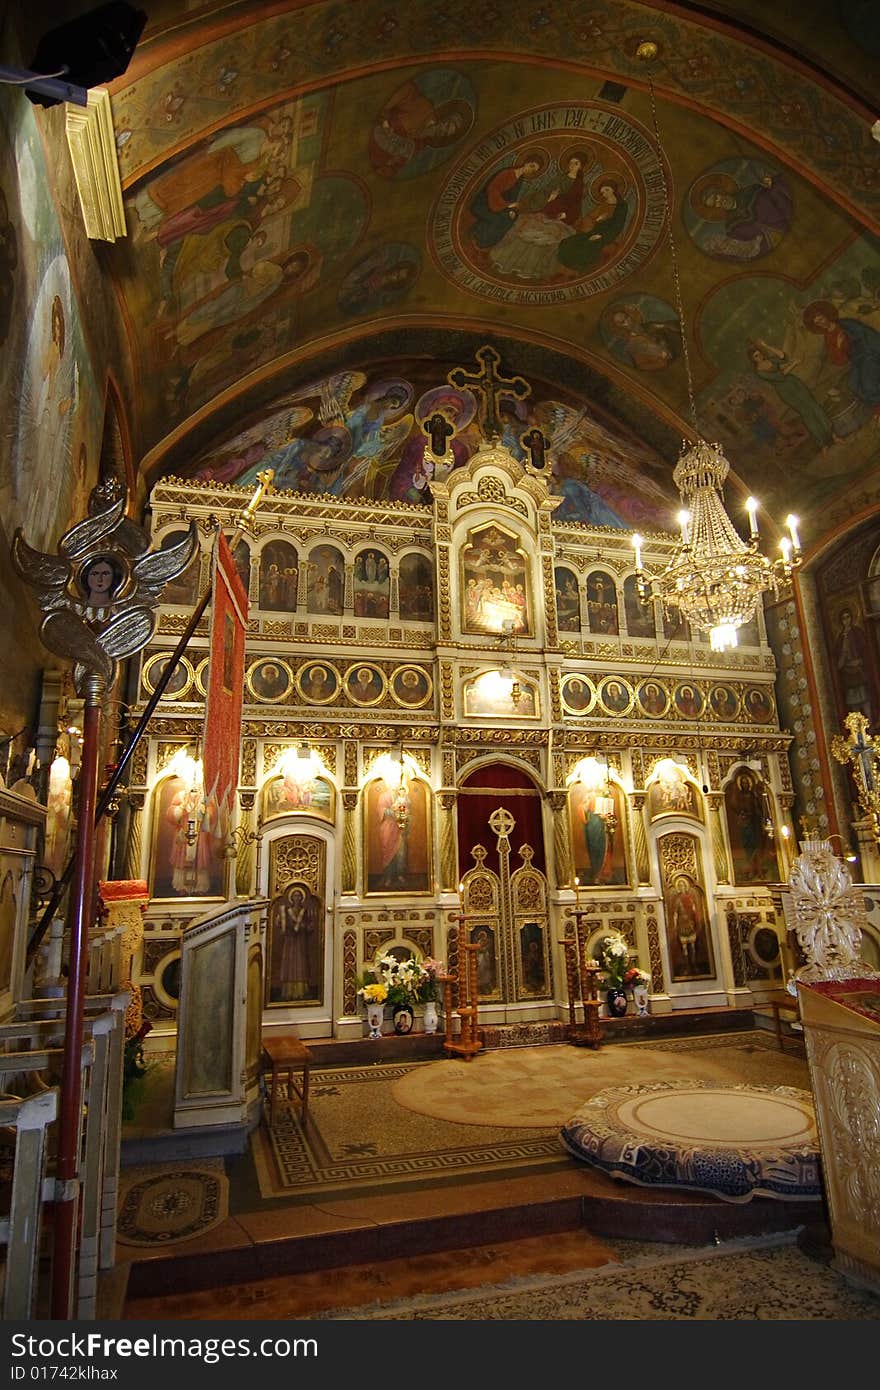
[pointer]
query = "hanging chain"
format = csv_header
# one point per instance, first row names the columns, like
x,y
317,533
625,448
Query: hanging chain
x,y
676,278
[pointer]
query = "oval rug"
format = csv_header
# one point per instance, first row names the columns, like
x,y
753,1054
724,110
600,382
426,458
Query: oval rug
x,y
178,1203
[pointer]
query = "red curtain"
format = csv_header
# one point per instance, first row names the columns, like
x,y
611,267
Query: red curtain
x,y
481,793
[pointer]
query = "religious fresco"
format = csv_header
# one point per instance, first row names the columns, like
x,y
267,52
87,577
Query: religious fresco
x,y
641,331
235,232
688,928
317,683
377,446
746,807
652,699
598,834
602,603
397,837
739,209
568,600
364,684
615,695
185,588
495,583
849,596
559,203
422,123
180,684
292,791
493,695
269,680
295,947
669,793
578,694
279,577
797,385
187,855
372,584
380,279
411,686
326,580
51,402
416,588
639,617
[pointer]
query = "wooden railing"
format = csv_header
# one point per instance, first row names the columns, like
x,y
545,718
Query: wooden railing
x,y
32,1053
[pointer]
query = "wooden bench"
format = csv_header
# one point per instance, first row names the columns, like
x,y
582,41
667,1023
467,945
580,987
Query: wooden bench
x,y
284,1056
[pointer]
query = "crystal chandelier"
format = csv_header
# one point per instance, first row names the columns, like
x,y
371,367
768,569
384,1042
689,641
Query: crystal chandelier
x,y
713,578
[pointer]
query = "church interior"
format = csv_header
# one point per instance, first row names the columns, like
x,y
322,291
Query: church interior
x,y
527,360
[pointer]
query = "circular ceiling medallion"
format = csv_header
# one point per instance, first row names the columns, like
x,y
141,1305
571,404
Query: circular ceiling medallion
x,y
561,203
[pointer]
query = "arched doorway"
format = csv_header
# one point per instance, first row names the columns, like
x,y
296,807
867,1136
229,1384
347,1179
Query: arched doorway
x,y
504,885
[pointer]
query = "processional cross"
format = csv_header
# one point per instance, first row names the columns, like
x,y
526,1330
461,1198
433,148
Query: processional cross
x,y
861,750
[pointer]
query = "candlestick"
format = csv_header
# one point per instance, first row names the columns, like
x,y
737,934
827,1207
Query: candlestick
x,y
684,521
637,547
751,508
577,891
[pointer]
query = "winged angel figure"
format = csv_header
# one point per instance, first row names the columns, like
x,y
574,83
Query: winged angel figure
x,y
99,592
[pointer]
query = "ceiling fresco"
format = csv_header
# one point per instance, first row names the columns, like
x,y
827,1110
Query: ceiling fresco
x,y
353,436
322,197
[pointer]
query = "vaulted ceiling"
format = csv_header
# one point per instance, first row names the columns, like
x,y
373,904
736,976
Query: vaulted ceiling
x,y
330,205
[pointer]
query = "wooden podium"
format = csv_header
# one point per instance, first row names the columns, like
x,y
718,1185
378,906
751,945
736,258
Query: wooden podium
x,y
842,1032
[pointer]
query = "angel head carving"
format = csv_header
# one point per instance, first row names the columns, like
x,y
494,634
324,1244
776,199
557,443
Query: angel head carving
x,y
99,591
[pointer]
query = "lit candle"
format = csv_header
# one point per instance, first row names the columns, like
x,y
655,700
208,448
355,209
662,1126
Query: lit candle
x,y
751,508
792,524
785,547
684,521
637,547
577,891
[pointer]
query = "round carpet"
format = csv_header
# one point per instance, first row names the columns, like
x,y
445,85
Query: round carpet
x,y
174,1204
735,1142
540,1087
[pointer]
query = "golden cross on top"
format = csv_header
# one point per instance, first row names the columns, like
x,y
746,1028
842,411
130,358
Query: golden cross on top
x,y
490,385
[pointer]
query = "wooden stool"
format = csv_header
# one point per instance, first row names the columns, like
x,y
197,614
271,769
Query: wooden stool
x,y
285,1055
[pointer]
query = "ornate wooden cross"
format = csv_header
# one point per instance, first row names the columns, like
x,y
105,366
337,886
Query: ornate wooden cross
x,y
490,385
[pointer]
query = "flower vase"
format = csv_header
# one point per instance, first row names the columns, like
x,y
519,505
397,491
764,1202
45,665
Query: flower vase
x,y
375,1014
640,996
431,1018
616,1002
403,1018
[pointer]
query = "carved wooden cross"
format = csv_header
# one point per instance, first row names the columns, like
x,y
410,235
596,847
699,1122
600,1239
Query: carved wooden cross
x,y
490,385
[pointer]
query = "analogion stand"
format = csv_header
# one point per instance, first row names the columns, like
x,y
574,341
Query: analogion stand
x,y
468,1043
582,978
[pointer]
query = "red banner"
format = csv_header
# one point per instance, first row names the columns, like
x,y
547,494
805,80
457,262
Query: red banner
x,y
222,736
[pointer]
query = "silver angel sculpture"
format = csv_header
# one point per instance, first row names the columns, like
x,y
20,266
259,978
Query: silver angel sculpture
x,y
829,913
100,589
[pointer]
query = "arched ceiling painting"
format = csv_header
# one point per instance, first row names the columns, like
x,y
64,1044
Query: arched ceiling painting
x,y
332,205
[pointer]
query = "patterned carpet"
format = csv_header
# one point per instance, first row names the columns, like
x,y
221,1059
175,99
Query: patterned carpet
x,y
357,1137
764,1279
164,1202
398,1124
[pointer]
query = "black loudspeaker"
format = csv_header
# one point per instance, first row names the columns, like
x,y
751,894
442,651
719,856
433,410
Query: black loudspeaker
x,y
92,49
